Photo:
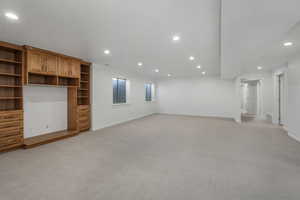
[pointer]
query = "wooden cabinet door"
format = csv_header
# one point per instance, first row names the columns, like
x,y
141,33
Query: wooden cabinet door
x,y
42,63
35,62
76,69
51,63
69,67
61,68
65,64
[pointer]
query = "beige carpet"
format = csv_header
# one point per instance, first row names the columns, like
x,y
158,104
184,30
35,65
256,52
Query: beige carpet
x,y
161,157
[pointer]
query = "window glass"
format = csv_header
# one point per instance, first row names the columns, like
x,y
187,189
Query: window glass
x,y
119,90
148,88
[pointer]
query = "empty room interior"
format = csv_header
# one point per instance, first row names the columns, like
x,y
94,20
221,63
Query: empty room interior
x,y
149,100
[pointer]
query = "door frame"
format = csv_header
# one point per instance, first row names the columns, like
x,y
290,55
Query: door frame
x,y
276,74
280,99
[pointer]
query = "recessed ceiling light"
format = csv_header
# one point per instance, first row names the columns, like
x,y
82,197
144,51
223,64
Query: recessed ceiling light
x,y
140,64
169,75
107,52
192,58
198,67
12,16
288,44
176,38
259,67
204,73
156,70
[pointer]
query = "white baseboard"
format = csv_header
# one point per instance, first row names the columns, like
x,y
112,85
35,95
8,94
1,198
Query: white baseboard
x,y
261,117
293,135
120,122
237,120
192,115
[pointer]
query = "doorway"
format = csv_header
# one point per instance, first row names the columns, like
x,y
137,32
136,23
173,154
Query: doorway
x,y
251,99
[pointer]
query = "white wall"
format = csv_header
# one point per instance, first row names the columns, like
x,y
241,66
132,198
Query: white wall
x,y
293,98
104,113
268,94
197,96
45,110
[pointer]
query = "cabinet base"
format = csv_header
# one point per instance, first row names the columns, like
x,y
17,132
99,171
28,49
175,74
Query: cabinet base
x,y
47,138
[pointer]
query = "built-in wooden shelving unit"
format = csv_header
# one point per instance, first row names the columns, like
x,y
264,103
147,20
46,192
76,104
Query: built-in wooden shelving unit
x,y
38,67
83,97
45,67
11,96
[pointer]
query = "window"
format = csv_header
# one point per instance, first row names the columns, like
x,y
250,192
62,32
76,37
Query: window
x,y
119,90
148,96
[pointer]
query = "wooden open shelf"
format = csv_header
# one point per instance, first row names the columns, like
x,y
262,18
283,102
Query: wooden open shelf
x,y
40,79
9,74
47,138
67,81
10,86
83,93
11,77
42,74
11,96
10,61
4,98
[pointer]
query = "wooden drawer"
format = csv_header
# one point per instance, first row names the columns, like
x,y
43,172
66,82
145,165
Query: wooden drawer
x,y
8,116
15,123
84,108
83,112
84,117
11,129
11,140
84,120
84,125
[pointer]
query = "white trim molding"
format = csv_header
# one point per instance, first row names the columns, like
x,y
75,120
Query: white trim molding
x,y
292,135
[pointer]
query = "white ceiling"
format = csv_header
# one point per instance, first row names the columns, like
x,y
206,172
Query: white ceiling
x,y
253,32
134,31
245,34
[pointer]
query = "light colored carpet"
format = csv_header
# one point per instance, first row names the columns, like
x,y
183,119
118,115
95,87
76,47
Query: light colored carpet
x,y
160,157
